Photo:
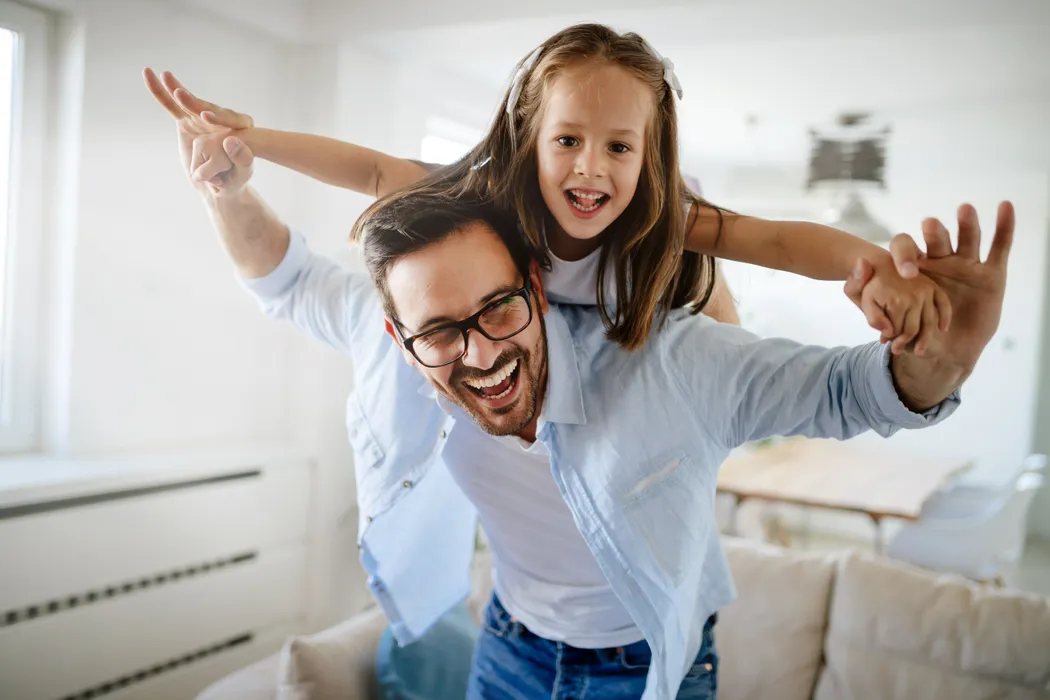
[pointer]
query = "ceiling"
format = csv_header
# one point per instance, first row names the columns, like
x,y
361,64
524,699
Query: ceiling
x,y
756,73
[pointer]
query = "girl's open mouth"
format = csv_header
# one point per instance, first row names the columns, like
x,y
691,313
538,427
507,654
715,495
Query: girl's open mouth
x,y
586,203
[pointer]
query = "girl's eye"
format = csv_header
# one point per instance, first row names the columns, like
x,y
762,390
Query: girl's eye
x,y
620,148
568,141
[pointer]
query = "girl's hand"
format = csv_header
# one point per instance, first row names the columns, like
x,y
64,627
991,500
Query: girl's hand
x,y
907,312
214,158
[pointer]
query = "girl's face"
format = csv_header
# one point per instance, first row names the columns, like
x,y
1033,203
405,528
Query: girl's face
x,y
590,151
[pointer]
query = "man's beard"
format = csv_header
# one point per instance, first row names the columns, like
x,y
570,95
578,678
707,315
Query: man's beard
x,y
532,370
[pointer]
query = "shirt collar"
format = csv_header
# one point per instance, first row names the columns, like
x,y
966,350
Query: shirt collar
x,y
563,402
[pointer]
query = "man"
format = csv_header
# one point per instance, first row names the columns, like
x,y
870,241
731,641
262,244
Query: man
x,y
597,494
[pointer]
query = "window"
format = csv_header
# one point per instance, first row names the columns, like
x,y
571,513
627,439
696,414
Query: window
x,y
446,142
23,94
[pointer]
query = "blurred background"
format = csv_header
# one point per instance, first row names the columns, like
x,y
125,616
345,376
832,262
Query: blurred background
x,y
133,363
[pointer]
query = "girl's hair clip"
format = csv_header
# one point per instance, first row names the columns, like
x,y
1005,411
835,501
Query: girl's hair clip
x,y
670,77
482,164
516,85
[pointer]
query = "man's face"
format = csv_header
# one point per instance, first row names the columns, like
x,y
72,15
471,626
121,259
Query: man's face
x,y
498,383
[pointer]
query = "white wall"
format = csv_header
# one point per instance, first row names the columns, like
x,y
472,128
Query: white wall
x,y
152,294
1039,519
993,427
154,343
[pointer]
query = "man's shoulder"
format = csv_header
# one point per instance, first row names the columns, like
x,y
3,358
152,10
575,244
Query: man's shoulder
x,y
682,333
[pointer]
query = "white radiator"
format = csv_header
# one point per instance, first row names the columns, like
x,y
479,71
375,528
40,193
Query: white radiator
x,y
148,576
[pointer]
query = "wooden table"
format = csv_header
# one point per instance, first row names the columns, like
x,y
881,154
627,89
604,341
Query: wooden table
x,y
837,475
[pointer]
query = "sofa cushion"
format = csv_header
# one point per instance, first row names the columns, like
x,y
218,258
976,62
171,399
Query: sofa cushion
x,y
255,682
899,632
338,662
769,639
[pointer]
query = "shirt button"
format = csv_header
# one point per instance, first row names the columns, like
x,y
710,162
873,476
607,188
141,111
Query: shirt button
x,y
406,484
444,434
368,518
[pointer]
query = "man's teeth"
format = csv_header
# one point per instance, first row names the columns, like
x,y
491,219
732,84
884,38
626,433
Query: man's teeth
x,y
494,379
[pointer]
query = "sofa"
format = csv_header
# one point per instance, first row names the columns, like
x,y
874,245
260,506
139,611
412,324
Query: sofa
x,y
827,626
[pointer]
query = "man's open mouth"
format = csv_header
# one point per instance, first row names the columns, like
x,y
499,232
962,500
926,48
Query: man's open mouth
x,y
498,384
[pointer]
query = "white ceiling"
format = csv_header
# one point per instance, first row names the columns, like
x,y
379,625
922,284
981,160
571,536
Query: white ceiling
x,y
776,65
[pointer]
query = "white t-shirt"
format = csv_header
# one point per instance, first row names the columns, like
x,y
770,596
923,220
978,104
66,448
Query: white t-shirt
x,y
543,571
576,281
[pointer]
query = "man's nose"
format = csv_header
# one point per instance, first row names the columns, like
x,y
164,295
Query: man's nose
x,y
481,352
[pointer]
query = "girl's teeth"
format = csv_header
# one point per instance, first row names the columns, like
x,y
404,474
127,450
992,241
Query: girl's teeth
x,y
586,207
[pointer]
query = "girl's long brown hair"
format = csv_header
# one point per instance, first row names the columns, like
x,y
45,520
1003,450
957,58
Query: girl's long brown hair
x,y
644,247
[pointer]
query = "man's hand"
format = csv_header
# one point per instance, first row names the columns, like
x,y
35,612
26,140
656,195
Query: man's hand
x,y
975,290
216,161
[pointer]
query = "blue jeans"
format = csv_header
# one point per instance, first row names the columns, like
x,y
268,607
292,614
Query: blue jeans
x,y
511,663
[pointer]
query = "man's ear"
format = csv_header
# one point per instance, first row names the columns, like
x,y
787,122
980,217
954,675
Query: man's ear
x,y
536,278
388,326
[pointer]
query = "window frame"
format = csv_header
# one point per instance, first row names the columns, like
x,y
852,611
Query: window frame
x,y
23,273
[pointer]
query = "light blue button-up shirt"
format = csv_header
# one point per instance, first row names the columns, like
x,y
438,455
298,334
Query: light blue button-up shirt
x,y
635,442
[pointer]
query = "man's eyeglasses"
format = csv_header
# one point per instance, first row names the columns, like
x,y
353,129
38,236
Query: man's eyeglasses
x,y
498,320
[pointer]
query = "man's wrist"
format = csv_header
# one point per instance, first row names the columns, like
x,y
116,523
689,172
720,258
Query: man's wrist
x,y
925,382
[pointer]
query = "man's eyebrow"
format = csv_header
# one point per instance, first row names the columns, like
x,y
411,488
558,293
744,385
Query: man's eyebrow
x,y
430,323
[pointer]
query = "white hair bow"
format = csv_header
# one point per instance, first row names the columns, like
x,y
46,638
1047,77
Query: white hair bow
x,y
670,77
519,81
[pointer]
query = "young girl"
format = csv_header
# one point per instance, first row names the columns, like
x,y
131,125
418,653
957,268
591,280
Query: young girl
x,y
585,149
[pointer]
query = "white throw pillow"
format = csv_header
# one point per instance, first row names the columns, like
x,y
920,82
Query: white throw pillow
x,y
334,664
769,640
899,632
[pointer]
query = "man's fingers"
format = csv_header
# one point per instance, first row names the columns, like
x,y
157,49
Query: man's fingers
x,y
238,152
211,168
905,255
197,158
1004,235
969,233
938,240
173,85
161,94
944,309
190,102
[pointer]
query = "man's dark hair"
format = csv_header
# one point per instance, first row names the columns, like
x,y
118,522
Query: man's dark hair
x,y
402,224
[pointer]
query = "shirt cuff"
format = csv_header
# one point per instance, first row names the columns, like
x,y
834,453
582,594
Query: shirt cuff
x,y
889,402
284,275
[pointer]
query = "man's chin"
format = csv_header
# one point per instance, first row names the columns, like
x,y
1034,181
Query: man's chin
x,y
499,424
506,420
